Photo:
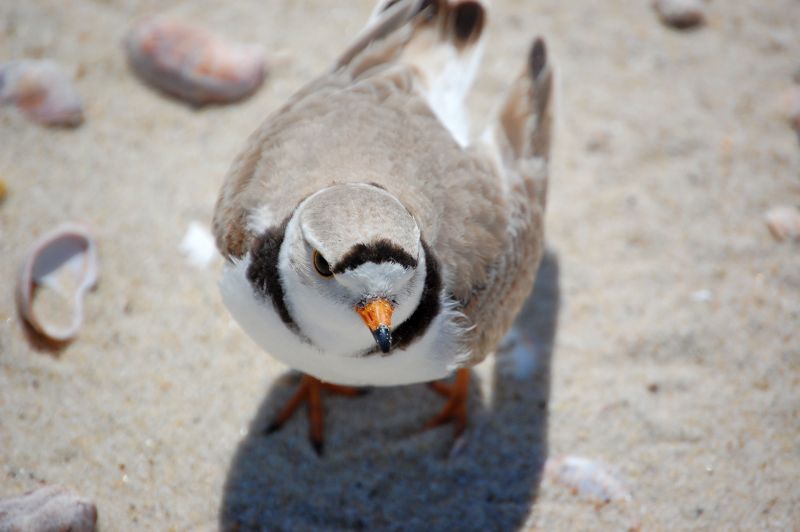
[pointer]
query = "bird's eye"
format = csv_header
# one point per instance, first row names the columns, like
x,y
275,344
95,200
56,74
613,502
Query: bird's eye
x,y
321,265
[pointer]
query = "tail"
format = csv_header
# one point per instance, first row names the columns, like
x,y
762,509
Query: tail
x,y
520,136
438,40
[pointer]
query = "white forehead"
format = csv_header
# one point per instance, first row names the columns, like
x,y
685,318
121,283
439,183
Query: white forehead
x,y
380,278
336,218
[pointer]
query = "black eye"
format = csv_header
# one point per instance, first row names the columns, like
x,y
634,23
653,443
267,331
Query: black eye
x,y
321,265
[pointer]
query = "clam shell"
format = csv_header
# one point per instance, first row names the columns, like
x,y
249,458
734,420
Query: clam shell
x,y
192,63
783,222
591,479
42,91
48,508
64,261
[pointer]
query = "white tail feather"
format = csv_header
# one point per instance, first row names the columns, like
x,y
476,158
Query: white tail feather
x,y
442,43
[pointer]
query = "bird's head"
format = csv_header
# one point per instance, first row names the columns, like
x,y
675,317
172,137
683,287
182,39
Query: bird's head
x,y
352,266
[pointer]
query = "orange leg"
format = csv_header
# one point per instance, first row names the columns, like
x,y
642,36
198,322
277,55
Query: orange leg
x,y
310,392
455,409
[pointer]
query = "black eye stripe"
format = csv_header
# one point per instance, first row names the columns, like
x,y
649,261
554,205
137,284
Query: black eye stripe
x,y
321,265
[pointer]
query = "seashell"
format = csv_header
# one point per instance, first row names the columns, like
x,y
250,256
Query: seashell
x,y
48,508
681,14
42,91
192,63
783,222
59,269
588,478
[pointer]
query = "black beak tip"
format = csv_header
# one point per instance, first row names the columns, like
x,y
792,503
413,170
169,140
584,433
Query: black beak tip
x,y
383,337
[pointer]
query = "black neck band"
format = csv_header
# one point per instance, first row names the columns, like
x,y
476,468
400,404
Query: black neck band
x,y
263,271
428,308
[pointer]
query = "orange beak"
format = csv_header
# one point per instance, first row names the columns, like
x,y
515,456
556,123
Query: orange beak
x,y
377,315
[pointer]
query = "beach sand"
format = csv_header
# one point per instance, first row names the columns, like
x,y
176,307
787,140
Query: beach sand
x,y
663,338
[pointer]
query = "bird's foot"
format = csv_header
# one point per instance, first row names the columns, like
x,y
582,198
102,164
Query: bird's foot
x,y
455,409
310,392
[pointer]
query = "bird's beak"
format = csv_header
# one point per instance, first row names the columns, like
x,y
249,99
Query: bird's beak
x,y
377,314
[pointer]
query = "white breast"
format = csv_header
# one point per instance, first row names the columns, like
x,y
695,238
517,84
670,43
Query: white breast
x,y
433,356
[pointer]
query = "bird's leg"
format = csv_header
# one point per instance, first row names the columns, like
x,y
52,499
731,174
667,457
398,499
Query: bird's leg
x,y
455,409
310,392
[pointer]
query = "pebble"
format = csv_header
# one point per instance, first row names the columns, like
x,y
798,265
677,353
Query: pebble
x,y
783,222
681,14
48,508
42,91
192,63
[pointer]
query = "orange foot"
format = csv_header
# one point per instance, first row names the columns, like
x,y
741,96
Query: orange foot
x,y
310,391
455,409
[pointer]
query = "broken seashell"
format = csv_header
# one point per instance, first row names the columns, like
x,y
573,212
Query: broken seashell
x,y
60,268
681,14
588,478
42,91
48,508
192,63
783,222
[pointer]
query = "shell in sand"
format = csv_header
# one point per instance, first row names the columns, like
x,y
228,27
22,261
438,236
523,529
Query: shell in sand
x,y
42,91
192,63
48,508
59,269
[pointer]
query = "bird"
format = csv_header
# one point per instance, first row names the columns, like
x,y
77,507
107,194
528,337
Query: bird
x,y
369,239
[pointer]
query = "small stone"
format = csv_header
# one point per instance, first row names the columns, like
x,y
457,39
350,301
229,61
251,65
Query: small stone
x,y
681,14
192,63
42,91
783,222
48,508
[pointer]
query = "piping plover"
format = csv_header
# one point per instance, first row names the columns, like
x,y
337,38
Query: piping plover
x,y
369,240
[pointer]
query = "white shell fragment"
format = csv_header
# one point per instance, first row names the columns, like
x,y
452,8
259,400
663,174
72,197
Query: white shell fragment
x,y
681,14
783,222
590,479
42,91
59,269
192,63
48,508
198,245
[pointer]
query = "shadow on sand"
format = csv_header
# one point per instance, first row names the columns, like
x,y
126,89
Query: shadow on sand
x,y
380,471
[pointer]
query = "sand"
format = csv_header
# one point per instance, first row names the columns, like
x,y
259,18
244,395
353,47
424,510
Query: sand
x,y
663,339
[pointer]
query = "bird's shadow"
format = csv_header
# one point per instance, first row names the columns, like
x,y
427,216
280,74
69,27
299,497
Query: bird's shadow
x,y
380,471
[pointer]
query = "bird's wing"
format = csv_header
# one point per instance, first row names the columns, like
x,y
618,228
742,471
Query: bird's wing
x,y
519,144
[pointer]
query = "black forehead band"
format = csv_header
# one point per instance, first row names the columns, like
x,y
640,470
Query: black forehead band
x,y
377,251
